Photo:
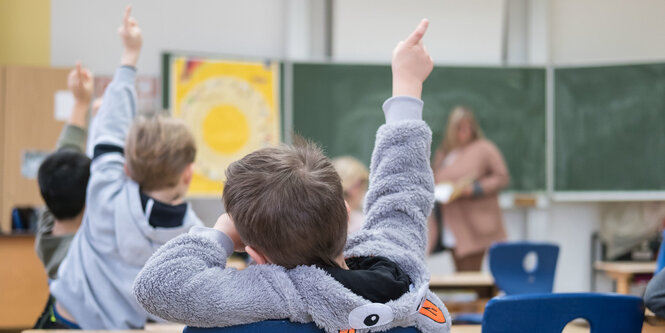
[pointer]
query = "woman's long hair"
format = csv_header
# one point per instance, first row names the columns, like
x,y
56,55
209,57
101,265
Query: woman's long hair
x,y
449,142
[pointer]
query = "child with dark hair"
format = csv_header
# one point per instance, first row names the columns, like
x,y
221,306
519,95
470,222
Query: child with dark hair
x,y
285,207
63,179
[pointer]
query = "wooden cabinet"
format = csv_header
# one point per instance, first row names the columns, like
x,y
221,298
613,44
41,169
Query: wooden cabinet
x,y
27,122
23,282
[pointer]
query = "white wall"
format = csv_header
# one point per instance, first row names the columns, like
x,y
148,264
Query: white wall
x,y
466,32
86,30
606,31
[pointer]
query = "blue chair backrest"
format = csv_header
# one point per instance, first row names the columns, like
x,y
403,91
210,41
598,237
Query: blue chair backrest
x,y
506,261
661,256
549,313
278,326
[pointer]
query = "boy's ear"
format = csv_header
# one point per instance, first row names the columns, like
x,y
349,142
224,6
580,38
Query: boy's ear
x,y
188,173
258,257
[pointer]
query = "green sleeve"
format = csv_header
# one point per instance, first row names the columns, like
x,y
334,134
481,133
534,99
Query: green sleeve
x,y
72,137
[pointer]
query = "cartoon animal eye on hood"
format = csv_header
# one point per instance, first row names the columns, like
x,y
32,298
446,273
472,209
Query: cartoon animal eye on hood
x,y
370,315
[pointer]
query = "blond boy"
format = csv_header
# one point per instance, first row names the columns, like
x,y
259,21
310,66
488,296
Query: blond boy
x,y
135,203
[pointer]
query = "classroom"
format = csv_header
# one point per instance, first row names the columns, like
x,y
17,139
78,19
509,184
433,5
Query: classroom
x,y
220,166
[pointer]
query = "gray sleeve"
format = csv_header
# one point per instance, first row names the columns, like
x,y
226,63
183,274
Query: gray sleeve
x,y
72,137
654,297
186,281
117,111
108,131
401,189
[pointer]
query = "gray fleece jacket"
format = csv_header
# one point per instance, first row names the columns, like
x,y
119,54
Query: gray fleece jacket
x,y
115,239
654,297
186,280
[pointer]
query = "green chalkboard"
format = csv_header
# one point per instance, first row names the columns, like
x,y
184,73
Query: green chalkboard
x,y
339,106
610,128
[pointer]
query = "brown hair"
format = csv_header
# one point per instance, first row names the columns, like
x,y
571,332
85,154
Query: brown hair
x,y
158,149
288,203
449,141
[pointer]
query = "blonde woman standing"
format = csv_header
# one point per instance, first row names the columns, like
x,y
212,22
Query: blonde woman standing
x,y
472,221
355,179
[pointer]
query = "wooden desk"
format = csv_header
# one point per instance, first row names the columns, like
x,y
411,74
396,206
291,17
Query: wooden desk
x,y
622,271
478,281
462,280
482,284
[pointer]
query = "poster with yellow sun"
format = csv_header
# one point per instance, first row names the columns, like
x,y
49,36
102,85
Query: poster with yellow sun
x,y
232,109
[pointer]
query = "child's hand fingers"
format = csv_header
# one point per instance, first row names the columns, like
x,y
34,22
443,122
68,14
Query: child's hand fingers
x,y
87,74
417,35
79,73
125,19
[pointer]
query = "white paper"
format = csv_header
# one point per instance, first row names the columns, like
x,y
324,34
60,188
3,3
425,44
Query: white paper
x,y
442,192
31,161
64,103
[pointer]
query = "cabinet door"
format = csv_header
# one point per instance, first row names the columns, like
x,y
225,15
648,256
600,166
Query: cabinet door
x,y
28,125
23,283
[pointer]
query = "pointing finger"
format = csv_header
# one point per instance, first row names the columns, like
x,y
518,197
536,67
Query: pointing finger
x,y
78,71
125,19
418,34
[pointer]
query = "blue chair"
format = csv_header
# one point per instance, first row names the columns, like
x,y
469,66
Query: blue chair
x,y
278,326
549,313
507,267
506,262
660,263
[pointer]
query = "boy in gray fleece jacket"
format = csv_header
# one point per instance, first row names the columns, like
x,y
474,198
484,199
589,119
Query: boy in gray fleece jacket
x,y
286,209
135,204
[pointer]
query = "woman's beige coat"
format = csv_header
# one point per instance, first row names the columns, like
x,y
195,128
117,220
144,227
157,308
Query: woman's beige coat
x,y
476,222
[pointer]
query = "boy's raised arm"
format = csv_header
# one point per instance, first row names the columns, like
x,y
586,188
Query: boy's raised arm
x,y
401,185
111,125
73,135
119,104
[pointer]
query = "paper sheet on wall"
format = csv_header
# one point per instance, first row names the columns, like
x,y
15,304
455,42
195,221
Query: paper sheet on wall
x,y
31,160
64,103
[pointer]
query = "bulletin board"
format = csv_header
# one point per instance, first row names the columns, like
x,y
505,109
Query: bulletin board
x,y
231,108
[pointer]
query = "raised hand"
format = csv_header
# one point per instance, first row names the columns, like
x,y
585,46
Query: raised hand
x,y
411,64
130,33
80,83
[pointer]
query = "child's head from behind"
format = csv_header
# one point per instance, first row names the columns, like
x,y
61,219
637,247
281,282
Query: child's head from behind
x,y
355,179
160,152
287,202
63,179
